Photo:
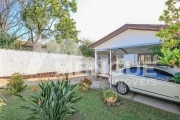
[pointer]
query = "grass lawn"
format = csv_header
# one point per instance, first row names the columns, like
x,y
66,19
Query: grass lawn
x,y
91,107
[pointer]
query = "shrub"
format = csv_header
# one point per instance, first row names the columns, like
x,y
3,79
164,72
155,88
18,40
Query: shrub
x,y
109,93
54,101
110,96
85,81
176,78
16,83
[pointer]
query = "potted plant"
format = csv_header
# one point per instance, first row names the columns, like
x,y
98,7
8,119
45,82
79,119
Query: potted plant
x,y
85,83
110,96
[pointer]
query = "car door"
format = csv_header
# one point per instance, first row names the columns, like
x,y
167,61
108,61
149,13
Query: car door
x,y
135,78
160,83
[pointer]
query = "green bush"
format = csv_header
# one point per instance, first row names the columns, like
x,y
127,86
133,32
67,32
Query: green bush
x,y
54,101
176,78
16,83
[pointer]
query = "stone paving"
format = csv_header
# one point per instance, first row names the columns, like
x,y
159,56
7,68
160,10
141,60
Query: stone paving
x,y
98,83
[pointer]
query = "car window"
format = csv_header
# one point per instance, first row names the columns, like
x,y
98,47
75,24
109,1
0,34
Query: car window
x,y
159,74
138,71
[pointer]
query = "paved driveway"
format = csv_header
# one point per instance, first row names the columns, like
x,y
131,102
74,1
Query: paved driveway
x,y
152,101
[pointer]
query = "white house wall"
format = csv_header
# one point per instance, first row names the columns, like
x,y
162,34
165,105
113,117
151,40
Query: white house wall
x,y
130,38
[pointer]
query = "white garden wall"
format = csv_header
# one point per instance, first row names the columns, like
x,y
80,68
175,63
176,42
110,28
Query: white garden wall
x,y
27,62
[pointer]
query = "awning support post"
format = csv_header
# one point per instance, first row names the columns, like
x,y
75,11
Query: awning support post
x,y
96,62
110,68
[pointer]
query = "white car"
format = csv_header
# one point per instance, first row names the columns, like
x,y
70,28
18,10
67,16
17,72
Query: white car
x,y
154,81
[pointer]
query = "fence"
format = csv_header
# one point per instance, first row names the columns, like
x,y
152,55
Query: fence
x,y
28,62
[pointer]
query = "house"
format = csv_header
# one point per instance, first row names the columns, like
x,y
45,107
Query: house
x,y
126,46
28,45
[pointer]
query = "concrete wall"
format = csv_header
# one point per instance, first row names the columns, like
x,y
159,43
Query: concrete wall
x,y
130,38
27,62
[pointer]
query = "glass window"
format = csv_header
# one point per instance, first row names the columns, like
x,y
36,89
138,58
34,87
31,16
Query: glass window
x,y
134,71
147,59
159,74
154,58
141,59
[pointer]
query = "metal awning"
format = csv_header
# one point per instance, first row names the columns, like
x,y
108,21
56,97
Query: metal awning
x,y
121,50
135,49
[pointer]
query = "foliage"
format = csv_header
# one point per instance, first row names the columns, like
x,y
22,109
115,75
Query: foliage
x,y
170,35
44,17
85,81
171,57
64,47
109,93
176,78
17,44
6,40
54,101
156,50
84,47
121,64
66,29
16,83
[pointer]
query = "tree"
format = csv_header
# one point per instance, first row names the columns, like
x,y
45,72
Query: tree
x,y
84,47
41,16
170,35
66,29
7,40
10,19
10,23
65,47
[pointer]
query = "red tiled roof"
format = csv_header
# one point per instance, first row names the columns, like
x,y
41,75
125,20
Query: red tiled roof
x,y
30,44
149,27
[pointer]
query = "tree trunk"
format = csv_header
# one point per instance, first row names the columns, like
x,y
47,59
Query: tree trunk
x,y
35,47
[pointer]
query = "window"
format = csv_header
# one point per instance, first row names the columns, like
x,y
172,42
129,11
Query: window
x,y
146,59
141,59
138,71
159,74
155,59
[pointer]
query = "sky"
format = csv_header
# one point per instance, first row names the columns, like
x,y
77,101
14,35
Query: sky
x,y
97,18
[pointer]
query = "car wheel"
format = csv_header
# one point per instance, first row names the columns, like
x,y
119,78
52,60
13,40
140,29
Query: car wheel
x,y
122,88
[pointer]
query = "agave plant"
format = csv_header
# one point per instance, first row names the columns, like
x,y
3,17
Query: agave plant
x,y
54,101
